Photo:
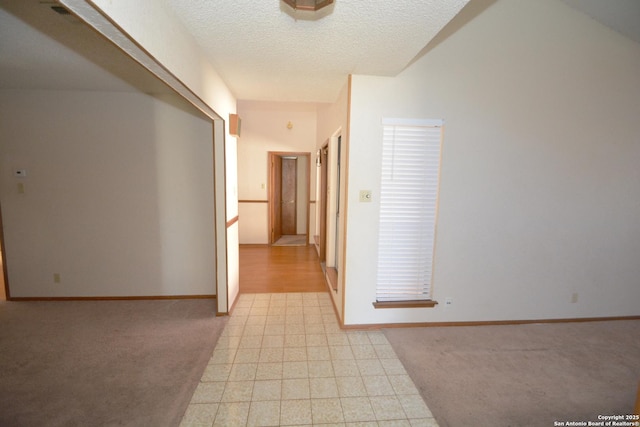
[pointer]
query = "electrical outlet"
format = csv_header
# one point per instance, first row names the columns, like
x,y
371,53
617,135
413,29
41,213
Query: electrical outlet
x,y
574,297
56,277
448,302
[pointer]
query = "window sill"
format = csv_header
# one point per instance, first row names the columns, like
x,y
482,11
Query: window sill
x,y
405,304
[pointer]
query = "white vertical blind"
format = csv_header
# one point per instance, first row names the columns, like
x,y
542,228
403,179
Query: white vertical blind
x,y
408,202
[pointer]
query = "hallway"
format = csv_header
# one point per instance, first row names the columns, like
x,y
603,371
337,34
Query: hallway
x,y
280,269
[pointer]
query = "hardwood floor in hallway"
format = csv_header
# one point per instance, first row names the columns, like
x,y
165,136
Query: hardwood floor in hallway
x,y
268,269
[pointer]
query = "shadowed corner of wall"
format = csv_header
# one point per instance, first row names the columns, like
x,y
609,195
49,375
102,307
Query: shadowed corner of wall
x,y
472,9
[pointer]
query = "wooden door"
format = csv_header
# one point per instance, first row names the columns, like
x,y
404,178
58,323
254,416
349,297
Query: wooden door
x,y
289,210
276,205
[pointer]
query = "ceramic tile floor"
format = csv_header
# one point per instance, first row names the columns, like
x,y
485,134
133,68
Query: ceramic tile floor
x,y
283,360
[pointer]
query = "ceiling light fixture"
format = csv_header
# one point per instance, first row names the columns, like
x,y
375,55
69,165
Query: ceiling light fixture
x,y
311,5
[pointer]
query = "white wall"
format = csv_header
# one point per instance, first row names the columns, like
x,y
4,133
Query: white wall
x,y
118,198
233,250
264,129
540,178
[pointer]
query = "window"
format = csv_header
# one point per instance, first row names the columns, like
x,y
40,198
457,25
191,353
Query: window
x,y
408,205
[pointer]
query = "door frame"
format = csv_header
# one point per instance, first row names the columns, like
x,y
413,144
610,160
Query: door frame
x,y
275,199
5,276
322,207
97,19
271,190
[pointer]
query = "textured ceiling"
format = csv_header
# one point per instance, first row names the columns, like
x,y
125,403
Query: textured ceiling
x,y
265,51
262,49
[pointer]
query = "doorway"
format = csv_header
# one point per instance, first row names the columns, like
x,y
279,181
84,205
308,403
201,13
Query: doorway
x,y
4,284
329,208
289,178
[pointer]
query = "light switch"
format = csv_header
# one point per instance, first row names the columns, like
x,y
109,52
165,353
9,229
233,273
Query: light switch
x,y
365,195
20,173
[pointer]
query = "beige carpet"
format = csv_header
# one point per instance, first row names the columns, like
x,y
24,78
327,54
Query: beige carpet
x,y
524,375
103,363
